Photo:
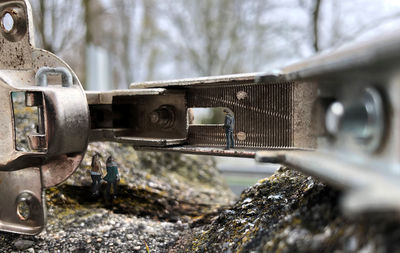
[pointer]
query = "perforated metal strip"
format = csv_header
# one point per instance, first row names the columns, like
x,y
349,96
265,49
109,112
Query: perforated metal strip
x,y
263,114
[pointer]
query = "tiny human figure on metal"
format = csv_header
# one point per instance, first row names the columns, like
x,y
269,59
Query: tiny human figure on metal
x,y
112,178
229,124
96,174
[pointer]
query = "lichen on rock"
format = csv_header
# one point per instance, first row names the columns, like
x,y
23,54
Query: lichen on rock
x,y
291,212
186,177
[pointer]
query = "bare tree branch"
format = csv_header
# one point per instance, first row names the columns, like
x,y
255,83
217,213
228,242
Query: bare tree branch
x,y
315,14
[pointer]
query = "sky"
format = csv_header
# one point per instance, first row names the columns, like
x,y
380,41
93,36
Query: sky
x,y
341,22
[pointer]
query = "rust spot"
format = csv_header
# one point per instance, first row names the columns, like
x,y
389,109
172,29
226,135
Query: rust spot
x,y
241,136
241,95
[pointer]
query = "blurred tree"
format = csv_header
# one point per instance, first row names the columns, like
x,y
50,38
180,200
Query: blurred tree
x,y
59,29
132,36
148,40
57,24
335,23
126,10
216,37
315,14
153,39
88,36
116,37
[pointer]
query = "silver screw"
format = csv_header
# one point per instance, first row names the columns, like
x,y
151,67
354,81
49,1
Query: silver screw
x,y
23,205
361,119
333,117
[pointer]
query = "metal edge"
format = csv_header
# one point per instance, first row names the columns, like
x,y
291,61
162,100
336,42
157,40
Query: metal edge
x,y
349,57
209,80
202,151
106,97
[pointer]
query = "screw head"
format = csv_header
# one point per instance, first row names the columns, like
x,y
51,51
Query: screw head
x,y
154,117
23,206
361,120
333,117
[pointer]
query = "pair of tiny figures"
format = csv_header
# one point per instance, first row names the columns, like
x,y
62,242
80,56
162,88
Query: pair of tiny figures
x,y
112,177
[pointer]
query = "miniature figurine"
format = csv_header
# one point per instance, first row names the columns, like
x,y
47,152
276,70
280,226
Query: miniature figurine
x,y
228,126
95,173
112,177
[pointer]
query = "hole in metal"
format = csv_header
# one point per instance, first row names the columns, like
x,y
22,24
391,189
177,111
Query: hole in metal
x,y
23,209
26,121
241,136
163,117
13,21
7,22
213,116
241,95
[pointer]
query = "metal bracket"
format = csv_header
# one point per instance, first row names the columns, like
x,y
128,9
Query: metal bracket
x,y
41,76
57,147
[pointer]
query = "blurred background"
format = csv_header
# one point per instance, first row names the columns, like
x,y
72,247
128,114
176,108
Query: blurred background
x,y
111,44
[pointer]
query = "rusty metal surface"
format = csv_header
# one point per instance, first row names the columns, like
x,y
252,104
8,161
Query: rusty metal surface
x,y
58,169
269,112
12,184
19,41
155,117
61,140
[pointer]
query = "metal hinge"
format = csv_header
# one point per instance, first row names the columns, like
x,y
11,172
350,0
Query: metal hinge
x,y
334,116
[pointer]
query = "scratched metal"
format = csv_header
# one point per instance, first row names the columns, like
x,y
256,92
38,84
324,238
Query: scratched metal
x,y
58,147
263,114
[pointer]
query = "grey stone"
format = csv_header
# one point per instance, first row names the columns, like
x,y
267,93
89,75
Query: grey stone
x,y
23,244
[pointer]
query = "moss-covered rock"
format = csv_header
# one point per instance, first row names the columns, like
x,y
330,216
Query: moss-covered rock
x,y
290,212
140,202
184,177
